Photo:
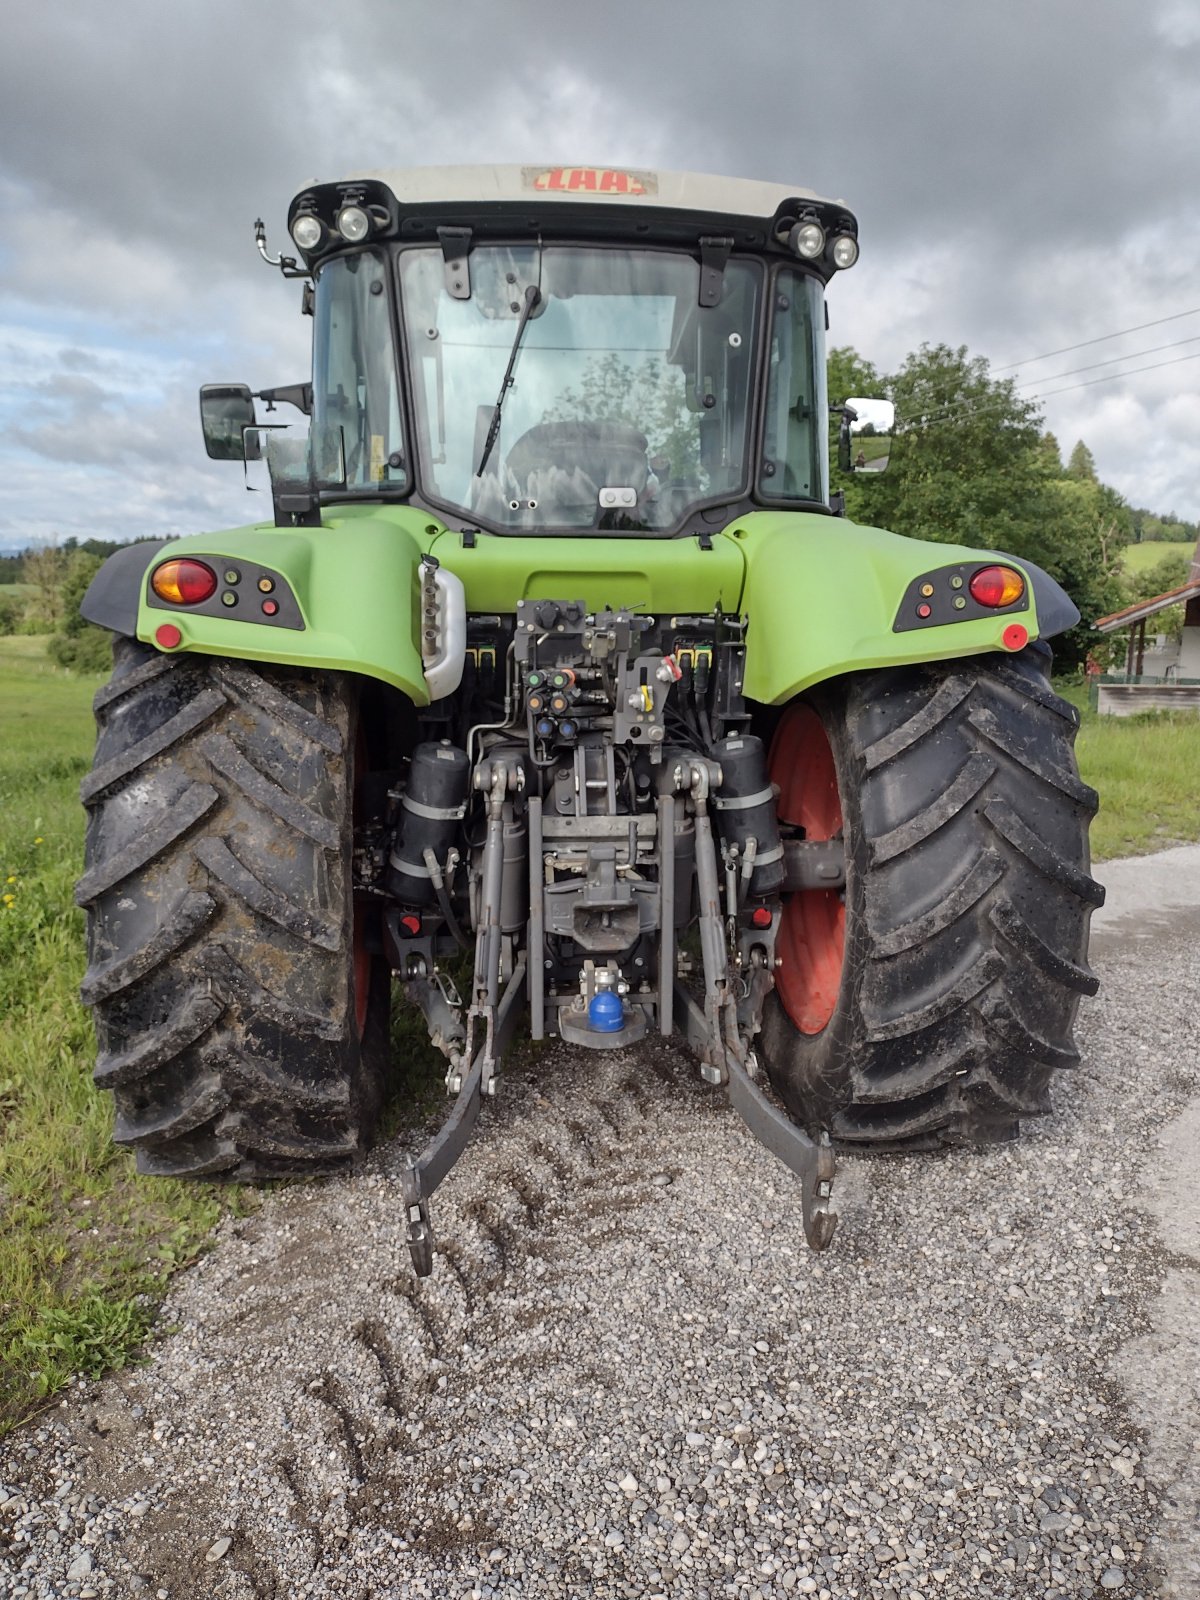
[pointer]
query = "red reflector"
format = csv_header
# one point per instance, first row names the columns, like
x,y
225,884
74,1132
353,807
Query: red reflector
x,y
760,917
924,610
182,582
997,586
168,636
410,924
270,607
1015,637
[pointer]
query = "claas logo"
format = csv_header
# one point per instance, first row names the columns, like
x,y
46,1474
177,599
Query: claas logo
x,y
589,180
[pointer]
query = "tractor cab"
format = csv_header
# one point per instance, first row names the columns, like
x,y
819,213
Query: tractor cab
x,y
565,350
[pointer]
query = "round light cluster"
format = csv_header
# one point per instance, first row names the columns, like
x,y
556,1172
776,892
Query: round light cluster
x,y
997,586
807,239
353,223
308,231
183,582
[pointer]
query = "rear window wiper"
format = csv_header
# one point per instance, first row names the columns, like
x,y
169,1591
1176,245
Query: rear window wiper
x,y
533,297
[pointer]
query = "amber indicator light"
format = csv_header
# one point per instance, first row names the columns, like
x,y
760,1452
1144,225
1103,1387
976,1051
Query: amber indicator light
x,y
266,584
182,582
997,586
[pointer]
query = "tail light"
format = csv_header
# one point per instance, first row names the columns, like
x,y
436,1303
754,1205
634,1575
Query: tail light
x,y
997,587
182,582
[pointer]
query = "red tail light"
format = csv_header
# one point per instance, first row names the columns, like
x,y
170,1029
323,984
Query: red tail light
x,y
997,586
183,582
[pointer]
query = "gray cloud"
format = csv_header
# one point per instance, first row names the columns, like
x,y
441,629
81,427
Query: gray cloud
x,y
1022,174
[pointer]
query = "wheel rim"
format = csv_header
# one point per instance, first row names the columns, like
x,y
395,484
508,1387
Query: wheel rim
x,y
812,930
362,956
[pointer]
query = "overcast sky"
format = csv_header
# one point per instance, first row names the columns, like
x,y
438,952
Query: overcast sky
x,y
1024,173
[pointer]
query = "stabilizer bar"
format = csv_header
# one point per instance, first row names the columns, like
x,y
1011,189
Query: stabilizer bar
x,y
422,1176
810,1159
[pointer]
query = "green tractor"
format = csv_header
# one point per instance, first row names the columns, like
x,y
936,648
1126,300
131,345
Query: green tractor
x,y
559,652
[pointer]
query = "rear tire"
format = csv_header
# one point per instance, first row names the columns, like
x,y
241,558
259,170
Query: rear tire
x,y
961,954
226,966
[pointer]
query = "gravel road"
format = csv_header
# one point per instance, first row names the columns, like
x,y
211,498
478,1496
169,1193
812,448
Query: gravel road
x,y
628,1376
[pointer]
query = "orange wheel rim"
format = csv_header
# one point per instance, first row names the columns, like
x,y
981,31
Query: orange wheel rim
x,y
811,944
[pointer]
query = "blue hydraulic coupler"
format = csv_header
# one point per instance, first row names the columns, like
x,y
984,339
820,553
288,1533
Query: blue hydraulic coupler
x,y
606,1014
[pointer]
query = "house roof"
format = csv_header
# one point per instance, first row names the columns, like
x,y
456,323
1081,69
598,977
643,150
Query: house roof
x,y
1147,608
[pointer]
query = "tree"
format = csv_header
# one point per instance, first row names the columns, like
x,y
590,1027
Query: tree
x,y
45,567
1082,463
78,644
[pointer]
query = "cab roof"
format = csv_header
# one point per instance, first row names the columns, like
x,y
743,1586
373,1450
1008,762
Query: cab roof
x,y
413,203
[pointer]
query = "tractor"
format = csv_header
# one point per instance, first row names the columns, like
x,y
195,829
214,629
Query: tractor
x,y
560,692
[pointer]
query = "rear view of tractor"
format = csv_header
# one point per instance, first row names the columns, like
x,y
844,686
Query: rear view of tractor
x,y
558,665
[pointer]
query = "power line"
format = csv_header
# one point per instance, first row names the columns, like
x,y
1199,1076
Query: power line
x,y
968,408
1112,376
1111,362
1100,339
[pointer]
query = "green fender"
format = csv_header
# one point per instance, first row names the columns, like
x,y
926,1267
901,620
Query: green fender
x,y
822,594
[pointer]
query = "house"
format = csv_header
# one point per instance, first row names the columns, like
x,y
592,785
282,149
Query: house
x,y
1158,674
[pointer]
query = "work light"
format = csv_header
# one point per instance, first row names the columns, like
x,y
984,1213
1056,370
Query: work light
x,y
307,231
353,224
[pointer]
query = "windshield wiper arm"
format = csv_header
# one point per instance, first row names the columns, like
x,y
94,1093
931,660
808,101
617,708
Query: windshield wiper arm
x,y
533,296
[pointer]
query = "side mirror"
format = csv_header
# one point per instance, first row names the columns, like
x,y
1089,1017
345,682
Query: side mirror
x,y
226,411
865,438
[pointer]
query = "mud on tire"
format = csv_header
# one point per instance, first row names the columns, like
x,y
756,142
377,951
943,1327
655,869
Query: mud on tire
x,y
234,1031
967,902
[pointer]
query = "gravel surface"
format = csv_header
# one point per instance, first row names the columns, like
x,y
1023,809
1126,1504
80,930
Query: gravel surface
x,y
628,1376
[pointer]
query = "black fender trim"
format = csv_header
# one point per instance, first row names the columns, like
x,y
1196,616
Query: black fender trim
x,y
1056,611
113,595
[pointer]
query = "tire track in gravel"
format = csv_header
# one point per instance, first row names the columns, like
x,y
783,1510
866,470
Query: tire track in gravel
x,y
622,1294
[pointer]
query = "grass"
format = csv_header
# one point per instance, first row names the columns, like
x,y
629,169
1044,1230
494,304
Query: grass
x,y
1140,557
87,1247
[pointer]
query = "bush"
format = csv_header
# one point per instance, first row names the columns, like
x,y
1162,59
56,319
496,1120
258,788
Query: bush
x,y
88,650
78,644
11,610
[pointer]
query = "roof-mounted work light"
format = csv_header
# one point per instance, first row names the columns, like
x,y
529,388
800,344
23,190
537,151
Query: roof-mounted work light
x,y
807,239
308,231
353,223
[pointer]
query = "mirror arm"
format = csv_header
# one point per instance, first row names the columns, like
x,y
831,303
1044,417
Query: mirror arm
x,y
849,415
299,395
288,265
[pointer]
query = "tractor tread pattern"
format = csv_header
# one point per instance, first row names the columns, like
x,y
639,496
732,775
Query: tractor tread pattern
x,y
194,1016
956,902
123,766
252,686
970,779
155,1121
269,903
220,918
966,827
196,802
1008,824
229,761
951,693
128,682
103,979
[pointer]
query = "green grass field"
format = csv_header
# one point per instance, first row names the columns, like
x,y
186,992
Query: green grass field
x,y
87,1247
1140,557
